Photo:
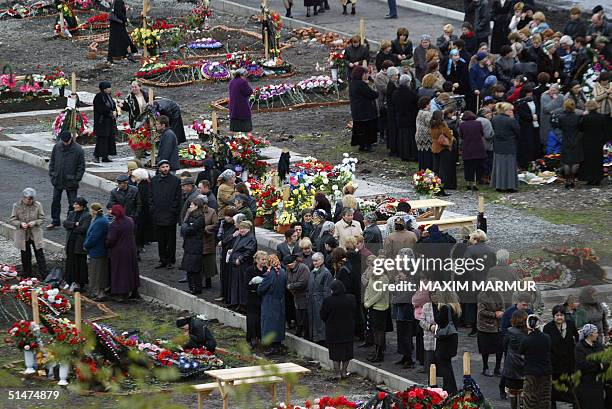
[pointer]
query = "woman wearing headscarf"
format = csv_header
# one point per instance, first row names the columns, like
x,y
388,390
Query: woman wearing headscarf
x,y
594,311
135,103
423,134
76,225
105,123
507,131
327,231
564,336
538,368
528,146
171,109
363,109
318,289
192,231
239,260
225,239
455,70
145,231
239,106
27,217
590,391
514,360
272,291
255,275
405,101
392,130
119,40
595,128
225,195
124,275
95,244
337,314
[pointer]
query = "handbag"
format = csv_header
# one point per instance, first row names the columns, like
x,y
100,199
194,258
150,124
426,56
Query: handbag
x,y
449,330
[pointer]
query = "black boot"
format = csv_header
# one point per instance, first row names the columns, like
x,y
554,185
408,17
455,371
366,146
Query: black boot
x,y
344,10
326,5
308,11
316,11
288,14
208,283
353,10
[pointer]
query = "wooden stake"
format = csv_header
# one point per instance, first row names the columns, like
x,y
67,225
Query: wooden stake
x,y
151,95
73,83
480,204
35,310
466,364
266,45
62,23
215,123
432,375
153,130
362,30
145,12
286,192
77,311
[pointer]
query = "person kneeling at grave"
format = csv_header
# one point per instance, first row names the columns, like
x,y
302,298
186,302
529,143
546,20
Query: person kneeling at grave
x,y
199,334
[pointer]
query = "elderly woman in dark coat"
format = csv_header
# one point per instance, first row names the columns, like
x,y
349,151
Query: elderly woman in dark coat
x,y
528,143
564,336
571,145
165,106
120,241
473,150
455,70
392,130
355,54
590,391
514,360
76,225
240,258
363,109
192,231
105,123
95,244
119,40
144,222
239,106
405,101
272,292
490,338
595,128
318,289
225,239
337,312
504,174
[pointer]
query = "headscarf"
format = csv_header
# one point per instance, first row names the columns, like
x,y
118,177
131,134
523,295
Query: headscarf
x,y
532,321
81,201
358,72
404,80
449,65
104,85
29,192
391,71
227,174
337,287
587,330
327,226
117,211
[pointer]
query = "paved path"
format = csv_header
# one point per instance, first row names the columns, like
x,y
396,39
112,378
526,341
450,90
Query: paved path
x,y
373,11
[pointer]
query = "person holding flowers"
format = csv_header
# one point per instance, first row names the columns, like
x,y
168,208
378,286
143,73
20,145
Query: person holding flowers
x,y
119,40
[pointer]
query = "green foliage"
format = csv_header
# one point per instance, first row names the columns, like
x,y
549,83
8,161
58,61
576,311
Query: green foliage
x,y
604,357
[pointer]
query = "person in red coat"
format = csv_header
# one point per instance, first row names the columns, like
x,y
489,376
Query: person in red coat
x,y
121,243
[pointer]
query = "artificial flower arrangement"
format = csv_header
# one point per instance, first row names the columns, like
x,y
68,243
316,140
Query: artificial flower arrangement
x,y
337,63
66,333
161,24
321,84
139,139
70,120
152,67
324,177
97,22
426,182
245,150
233,61
214,70
285,218
206,43
199,16
193,155
61,82
22,335
203,128
7,271
50,301
269,93
266,195
7,82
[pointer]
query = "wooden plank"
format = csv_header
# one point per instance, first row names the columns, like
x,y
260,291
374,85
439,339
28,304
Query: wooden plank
x,y
445,224
232,374
427,203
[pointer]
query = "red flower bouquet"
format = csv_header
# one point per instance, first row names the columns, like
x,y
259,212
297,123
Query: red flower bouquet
x,y
139,139
22,335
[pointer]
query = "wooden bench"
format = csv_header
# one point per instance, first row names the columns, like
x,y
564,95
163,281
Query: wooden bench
x,y
450,223
205,389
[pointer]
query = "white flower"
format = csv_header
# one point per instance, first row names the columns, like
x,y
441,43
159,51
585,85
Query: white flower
x,y
334,187
346,155
27,347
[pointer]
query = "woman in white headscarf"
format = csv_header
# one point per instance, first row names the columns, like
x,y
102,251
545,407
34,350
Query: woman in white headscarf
x,y
590,391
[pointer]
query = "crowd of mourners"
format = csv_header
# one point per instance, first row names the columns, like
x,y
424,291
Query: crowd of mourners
x,y
497,98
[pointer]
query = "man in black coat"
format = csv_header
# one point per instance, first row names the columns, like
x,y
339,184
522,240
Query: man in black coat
x,y
66,169
168,146
165,210
105,123
199,334
125,195
189,193
169,108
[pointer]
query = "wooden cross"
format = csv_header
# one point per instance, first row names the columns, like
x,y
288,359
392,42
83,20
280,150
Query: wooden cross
x,y
481,206
145,11
153,130
77,311
62,22
466,364
215,123
362,31
266,35
433,381
35,310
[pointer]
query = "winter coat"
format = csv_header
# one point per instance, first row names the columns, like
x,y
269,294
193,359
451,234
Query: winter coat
x,y
458,74
372,234
444,45
536,349
423,133
192,231
472,135
95,240
382,57
477,75
165,202
187,202
239,94
446,348
283,250
397,49
338,311
75,235
318,289
380,299
135,111
506,134
482,18
67,165
504,70
399,239
500,15
487,130
547,107
590,391
426,322
420,62
577,28
105,123
562,349
172,110
168,149
343,231
127,198
225,198
355,56
272,291
200,336
120,241
143,218
244,249
362,99
597,315
550,65
297,284
604,101
515,361
488,304
211,226
23,213
405,101
571,145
